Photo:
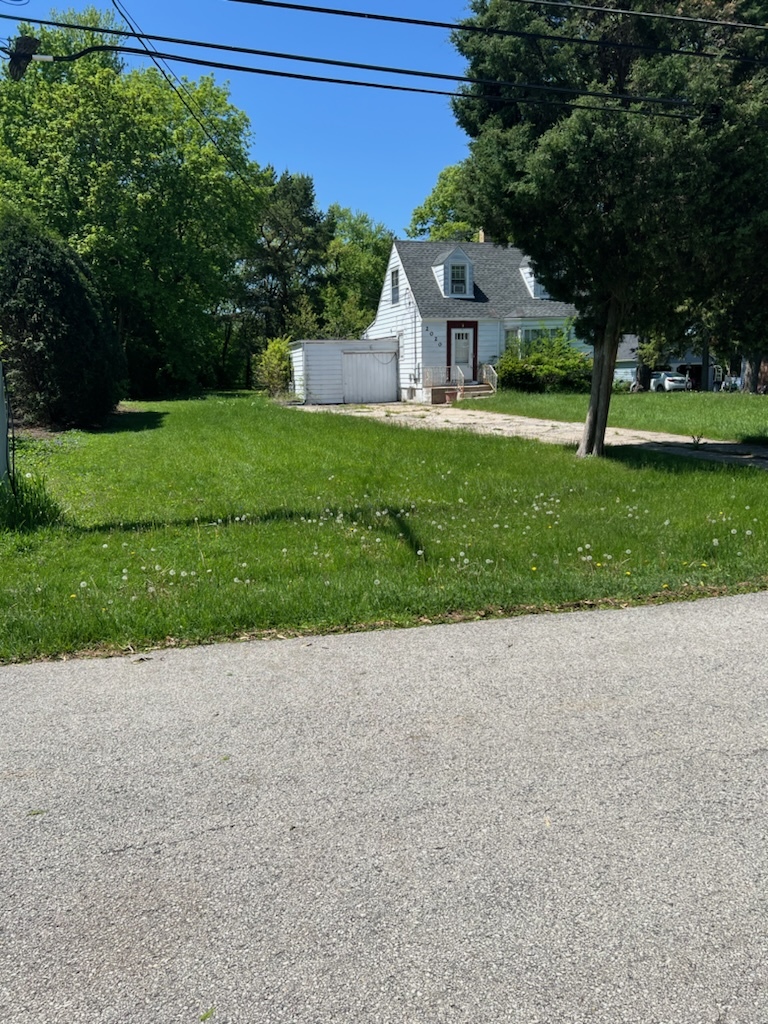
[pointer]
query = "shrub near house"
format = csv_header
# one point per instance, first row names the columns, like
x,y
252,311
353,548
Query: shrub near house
x,y
549,363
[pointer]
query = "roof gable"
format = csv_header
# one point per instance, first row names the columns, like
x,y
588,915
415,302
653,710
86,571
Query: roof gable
x,y
499,289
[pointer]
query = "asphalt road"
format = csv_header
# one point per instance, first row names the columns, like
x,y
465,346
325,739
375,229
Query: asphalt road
x,y
542,819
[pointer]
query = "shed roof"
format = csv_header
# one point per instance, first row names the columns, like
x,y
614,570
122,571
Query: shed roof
x,y
499,289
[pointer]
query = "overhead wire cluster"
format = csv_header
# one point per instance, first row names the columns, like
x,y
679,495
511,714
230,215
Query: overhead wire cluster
x,y
551,94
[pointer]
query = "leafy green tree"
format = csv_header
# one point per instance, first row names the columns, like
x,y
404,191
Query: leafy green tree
x,y
160,204
445,214
286,258
615,204
63,363
355,264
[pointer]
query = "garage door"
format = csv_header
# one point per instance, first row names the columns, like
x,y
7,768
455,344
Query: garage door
x,y
369,376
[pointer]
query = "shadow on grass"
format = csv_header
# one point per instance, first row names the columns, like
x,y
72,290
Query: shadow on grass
x,y
697,460
394,524
132,420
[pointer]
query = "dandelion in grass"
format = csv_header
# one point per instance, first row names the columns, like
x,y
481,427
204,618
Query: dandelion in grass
x,y
715,542
83,584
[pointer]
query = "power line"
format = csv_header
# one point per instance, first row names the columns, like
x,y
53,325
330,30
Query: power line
x,y
487,30
439,76
185,98
500,100
508,32
682,18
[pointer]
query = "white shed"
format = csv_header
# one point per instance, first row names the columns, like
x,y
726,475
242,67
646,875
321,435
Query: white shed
x,y
334,372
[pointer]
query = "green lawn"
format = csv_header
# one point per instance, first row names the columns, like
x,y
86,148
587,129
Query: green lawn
x,y
229,517
723,416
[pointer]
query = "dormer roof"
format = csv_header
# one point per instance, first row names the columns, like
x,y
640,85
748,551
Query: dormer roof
x,y
499,289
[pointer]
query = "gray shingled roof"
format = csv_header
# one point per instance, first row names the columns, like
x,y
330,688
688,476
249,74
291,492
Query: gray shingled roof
x,y
500,291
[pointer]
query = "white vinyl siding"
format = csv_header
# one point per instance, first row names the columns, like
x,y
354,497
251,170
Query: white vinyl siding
x,y
401,321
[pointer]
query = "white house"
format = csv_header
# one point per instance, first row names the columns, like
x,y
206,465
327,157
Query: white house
x,y
454,308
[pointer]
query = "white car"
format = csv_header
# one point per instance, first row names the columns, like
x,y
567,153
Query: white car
x,y
669,382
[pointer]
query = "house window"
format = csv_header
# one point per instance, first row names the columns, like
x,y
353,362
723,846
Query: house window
x,y
522,340
539,291
458,279
395,278
512,340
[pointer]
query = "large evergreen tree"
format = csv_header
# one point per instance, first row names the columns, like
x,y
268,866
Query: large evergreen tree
x,y
617,151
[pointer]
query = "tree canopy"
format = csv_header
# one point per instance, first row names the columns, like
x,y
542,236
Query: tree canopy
x,y
155,200
624,155
443,216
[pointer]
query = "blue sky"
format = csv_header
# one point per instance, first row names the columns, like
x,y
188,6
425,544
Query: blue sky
x,y
374,151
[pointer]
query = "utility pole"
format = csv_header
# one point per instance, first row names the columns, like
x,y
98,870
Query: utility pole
x,y
5,475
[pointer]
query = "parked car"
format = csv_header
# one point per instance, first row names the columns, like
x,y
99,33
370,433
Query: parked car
x,y
663,381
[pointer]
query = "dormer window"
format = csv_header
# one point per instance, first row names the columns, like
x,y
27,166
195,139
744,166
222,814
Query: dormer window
x,y
458,279
535,288
453,273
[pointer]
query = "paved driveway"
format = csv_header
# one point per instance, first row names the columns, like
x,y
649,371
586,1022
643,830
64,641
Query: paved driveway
x,y
543,819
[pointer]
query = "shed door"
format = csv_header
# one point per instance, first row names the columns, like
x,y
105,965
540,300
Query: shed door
x,y
369,376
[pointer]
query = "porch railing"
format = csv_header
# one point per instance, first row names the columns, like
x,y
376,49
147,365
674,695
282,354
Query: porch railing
x,y
443,377
487,375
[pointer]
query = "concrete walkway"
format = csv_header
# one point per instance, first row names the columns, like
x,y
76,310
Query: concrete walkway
x,y
553,819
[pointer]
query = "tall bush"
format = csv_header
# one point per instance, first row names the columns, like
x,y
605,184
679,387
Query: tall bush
x,y
64,366
550,363
274,367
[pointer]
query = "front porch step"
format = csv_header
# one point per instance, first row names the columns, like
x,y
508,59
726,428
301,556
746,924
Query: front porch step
x,y
477,390
440,395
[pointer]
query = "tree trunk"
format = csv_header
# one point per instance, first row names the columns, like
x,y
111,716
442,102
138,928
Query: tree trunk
x,y
603,366
223,375
754,361
705,373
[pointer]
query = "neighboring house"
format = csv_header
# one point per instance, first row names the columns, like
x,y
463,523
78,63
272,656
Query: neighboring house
x,y
689,364
455,307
